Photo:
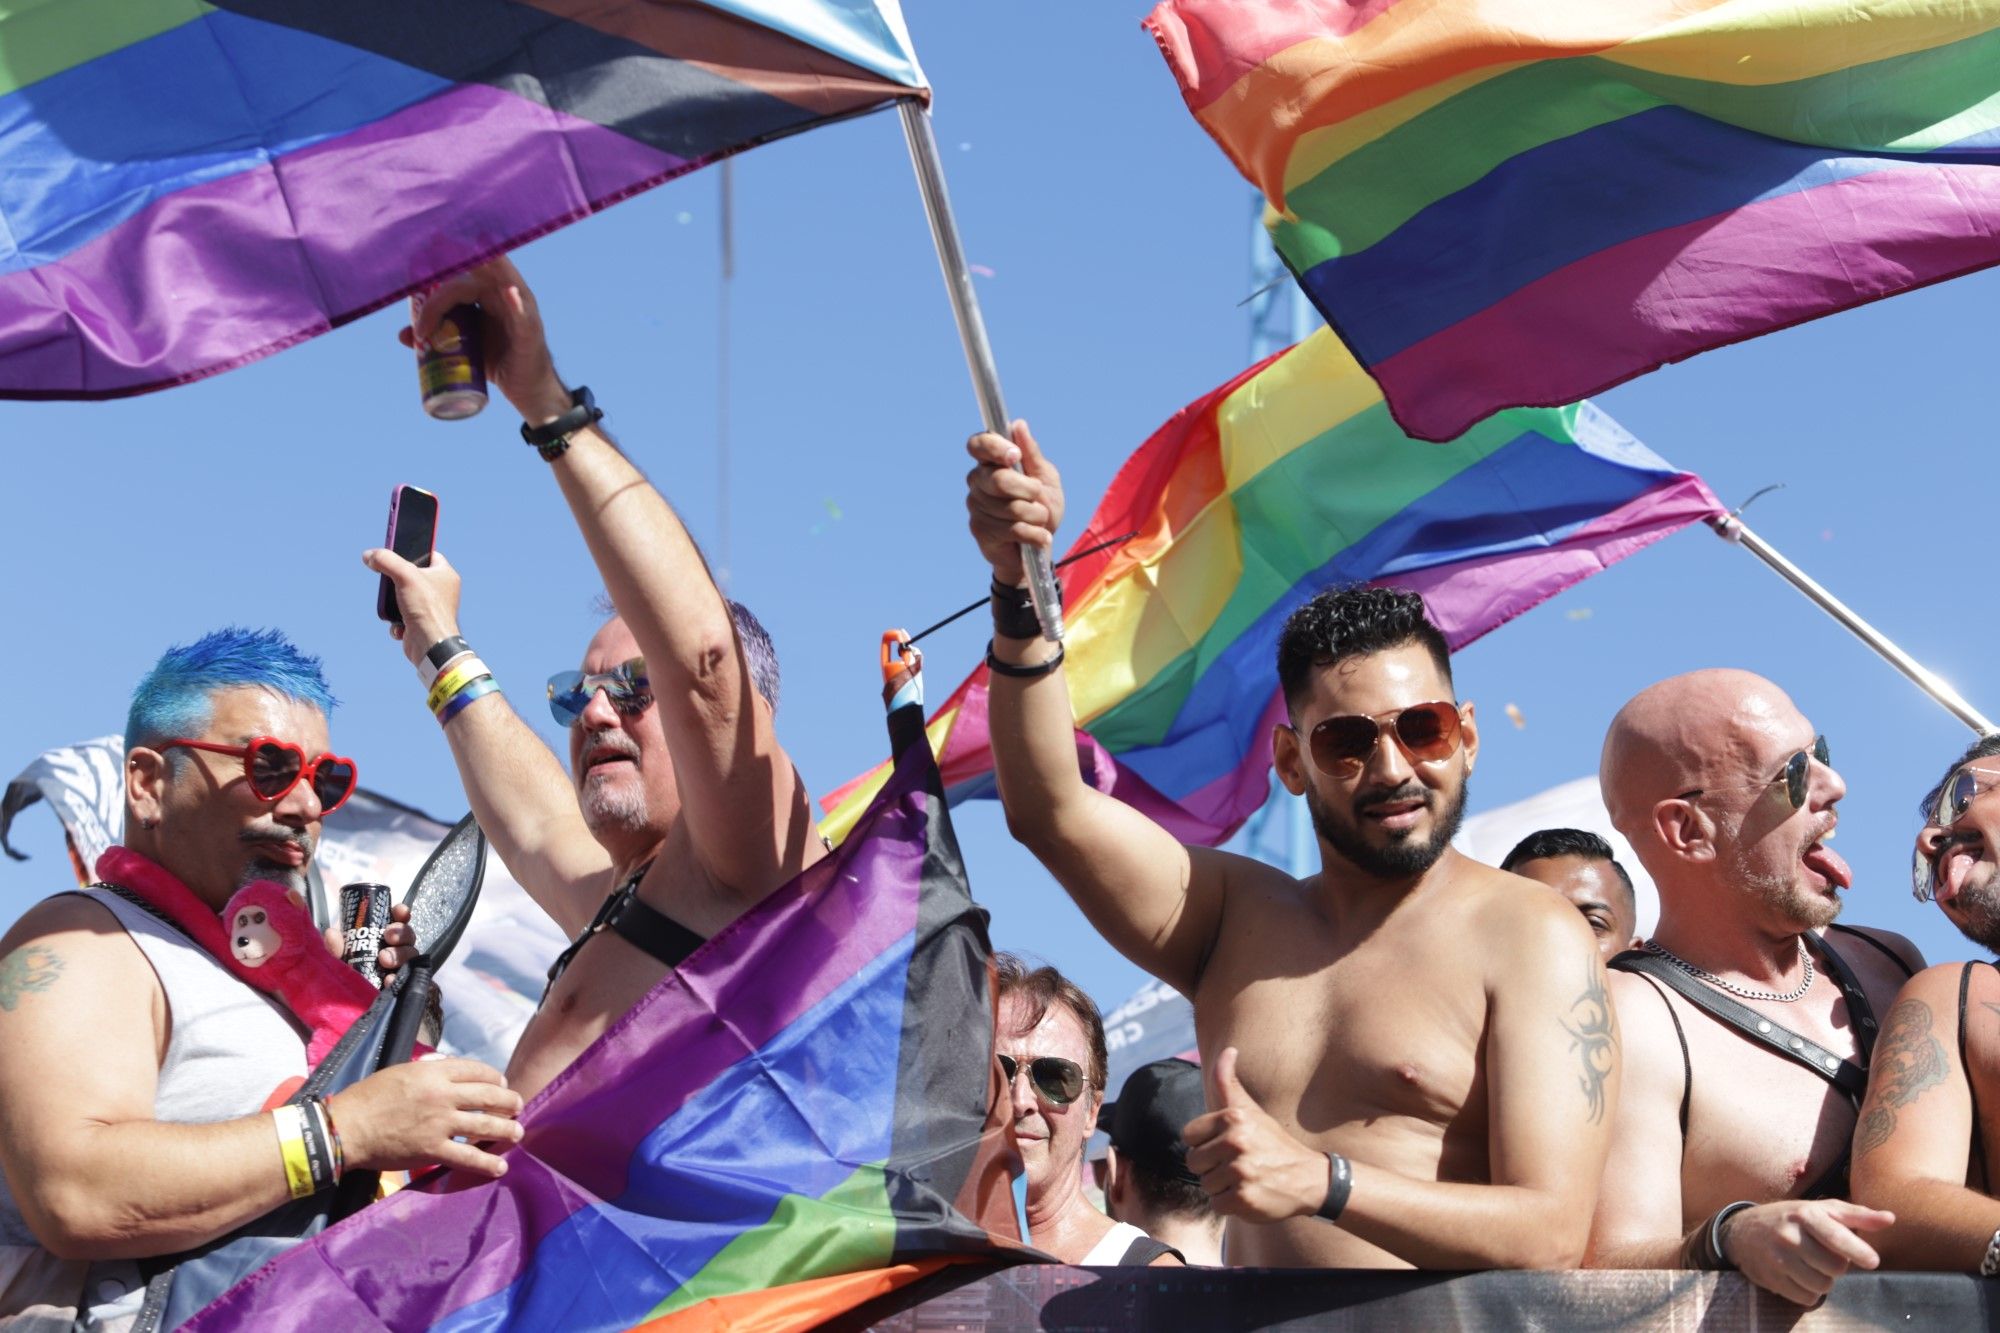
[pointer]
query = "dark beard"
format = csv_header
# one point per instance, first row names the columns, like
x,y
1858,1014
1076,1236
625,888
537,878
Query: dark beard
x,y
1981,910
1405,859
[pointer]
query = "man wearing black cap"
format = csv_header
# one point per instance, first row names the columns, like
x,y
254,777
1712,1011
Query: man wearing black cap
x,y
1149,1184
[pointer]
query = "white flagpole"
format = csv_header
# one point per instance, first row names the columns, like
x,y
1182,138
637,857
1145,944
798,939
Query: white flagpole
x,y
1732,529
972,333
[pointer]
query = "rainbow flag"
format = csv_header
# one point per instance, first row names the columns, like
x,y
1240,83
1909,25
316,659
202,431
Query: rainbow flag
x,y
804,1115
191,186
1504,203
1287,479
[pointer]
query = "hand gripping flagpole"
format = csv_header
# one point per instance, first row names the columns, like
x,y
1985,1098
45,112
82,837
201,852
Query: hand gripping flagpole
x,y
972,332
1732,529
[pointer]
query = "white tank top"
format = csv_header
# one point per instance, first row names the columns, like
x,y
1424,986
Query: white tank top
x,y
1107,1252
229,1048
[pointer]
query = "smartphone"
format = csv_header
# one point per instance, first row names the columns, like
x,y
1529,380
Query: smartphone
x,y
413,520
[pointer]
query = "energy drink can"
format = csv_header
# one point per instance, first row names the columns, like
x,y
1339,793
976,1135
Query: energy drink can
x,y
452,373
364,912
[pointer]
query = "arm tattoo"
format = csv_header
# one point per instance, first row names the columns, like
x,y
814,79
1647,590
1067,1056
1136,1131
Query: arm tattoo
x,y
1908,1060
1592,1038
32,967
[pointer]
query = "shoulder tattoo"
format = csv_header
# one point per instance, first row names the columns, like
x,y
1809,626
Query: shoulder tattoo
x,y
1593,1041
30,968
1908,1060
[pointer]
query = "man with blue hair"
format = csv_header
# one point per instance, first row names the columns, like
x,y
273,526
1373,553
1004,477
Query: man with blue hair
x,y
682,809
141,1083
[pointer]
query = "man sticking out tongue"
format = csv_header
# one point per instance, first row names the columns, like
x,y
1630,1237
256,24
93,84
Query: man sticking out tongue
x,y
1749,1017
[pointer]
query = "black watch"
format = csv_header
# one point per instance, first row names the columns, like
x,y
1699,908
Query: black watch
x,y
552,439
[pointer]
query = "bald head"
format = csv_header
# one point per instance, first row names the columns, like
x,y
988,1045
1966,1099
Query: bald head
x,y
1702,729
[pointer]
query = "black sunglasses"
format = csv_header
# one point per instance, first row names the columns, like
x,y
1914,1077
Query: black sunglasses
x,y
1059,1081
1797,776
1954,797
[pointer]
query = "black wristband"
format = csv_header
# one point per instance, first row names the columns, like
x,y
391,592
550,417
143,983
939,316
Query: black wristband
x,y
552,438
1340,1184
1000,668
444,650
1713,1257
1014,613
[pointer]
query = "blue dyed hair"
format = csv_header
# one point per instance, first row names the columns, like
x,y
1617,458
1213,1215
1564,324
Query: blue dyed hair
x,y
177,696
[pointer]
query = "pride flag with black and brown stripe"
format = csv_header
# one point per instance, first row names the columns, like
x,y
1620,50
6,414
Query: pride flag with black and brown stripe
x,y
191,185
1517,203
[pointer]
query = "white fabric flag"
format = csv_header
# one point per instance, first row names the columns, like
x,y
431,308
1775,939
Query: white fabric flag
x,y
492,981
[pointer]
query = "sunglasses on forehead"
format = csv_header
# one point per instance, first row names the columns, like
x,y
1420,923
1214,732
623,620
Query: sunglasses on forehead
x,y
273,767
1797,776
1341,746
1954,798
1056,1080
625,685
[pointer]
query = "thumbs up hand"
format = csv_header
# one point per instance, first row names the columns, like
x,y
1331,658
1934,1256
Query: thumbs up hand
x,y
1250,1165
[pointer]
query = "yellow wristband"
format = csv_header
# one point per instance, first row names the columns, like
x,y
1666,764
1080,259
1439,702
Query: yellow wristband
x,y
292,1147
461,674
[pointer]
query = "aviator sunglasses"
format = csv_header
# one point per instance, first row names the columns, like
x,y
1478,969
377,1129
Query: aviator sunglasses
x,y
1340,746
570,692
273,767
1954,797
1057,1080
1796,777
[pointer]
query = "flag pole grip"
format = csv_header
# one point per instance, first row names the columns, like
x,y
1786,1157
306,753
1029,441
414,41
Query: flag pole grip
x,y
1732,529
972,333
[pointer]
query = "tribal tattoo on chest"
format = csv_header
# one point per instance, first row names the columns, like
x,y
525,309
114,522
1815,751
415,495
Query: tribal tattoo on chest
x,y
1907,1061
1593,1040
30,968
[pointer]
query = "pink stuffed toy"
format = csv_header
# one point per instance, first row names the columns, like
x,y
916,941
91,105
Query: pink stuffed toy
x,y
266,939
274,946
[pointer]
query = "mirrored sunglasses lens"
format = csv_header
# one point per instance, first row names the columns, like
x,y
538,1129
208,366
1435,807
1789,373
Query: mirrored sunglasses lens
x,y
1923,878
1061,1081
1958,796
1797,772
1341,745
1009,1068
1821,751
566,704
273,769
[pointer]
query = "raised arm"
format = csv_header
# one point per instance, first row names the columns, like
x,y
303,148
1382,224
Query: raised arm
x,y
515,784
745,811
1158,903
1552,1069
1914,1139
97,1177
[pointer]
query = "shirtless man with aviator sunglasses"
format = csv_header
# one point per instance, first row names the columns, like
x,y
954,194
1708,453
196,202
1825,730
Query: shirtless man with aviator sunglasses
x,y
1410,1058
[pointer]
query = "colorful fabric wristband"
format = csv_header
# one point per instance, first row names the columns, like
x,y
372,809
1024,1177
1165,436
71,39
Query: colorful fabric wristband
x,y
290,1122
457,704
462,673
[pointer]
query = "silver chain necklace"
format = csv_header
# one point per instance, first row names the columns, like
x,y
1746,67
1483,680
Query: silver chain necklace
x,y
1702,974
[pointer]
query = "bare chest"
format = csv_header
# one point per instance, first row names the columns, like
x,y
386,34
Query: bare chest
x,y
1760,1125
1377,1043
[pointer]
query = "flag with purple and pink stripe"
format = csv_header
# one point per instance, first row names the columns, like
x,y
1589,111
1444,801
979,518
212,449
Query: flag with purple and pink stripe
x,y
1516,203
192,184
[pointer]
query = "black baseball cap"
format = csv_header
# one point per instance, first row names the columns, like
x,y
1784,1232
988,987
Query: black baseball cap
x,y
1152,1109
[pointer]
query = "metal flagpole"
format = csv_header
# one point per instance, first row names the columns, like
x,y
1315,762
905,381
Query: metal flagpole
x,y
722,460
972,333
1731,529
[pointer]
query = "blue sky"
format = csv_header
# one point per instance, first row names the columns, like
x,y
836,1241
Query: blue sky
x,y
1118,242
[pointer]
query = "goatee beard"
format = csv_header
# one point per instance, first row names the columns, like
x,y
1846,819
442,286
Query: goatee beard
x,y
1403,859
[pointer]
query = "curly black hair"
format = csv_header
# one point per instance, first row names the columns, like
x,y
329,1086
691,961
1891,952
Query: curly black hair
x,y
1352,621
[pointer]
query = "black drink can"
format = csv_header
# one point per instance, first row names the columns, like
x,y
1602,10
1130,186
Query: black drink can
x,y
452,371
364,912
